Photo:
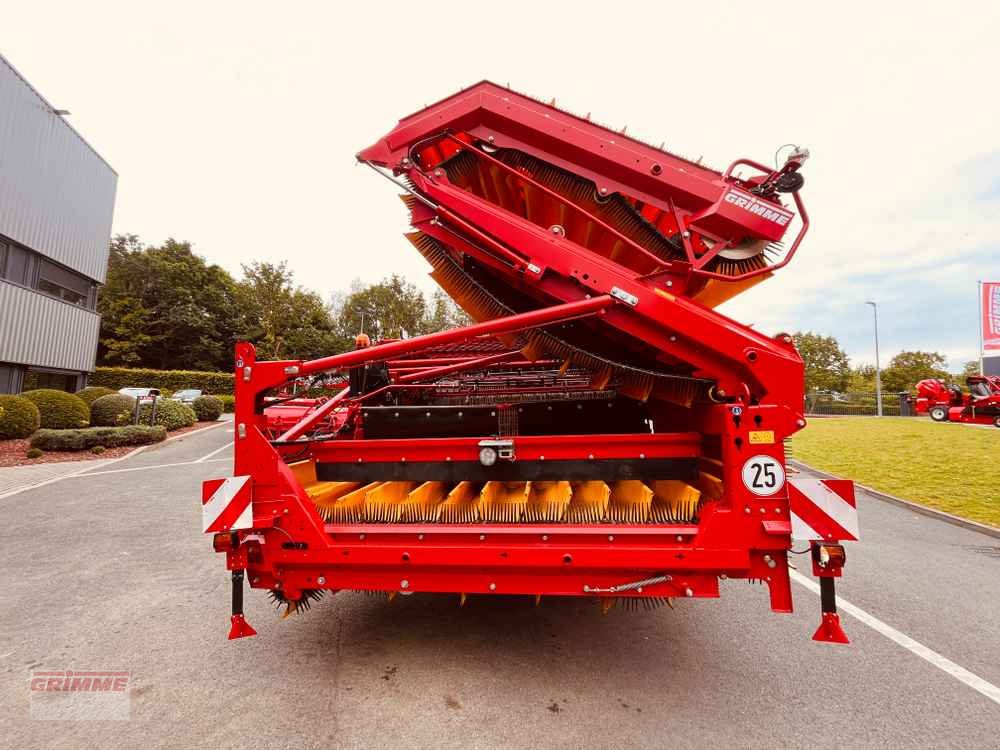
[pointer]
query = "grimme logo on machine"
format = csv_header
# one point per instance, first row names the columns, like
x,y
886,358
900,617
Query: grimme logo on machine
x,y
757,207
76,695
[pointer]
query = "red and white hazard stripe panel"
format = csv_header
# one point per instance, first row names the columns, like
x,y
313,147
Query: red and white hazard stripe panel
x,y
823,509
226,504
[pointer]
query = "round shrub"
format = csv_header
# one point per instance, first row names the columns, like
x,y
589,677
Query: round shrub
x,y
18,417
171,414
228,403
59,410
33,453
112,410
91,393
97,450
207,408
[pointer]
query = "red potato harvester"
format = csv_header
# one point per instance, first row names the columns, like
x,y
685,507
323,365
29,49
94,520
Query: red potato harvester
x,y
599,431
947,403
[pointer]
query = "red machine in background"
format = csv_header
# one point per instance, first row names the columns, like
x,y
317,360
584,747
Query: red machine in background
x,y
935,397
600,431
948,403
298,398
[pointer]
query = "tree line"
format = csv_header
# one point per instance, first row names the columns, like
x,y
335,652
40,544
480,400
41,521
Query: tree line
x,y
165,307
829,369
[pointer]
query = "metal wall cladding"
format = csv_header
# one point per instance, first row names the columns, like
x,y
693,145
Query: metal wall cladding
x,y
57,194
45,332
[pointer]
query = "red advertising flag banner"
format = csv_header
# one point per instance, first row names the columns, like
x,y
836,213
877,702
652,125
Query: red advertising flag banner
x,y
991,315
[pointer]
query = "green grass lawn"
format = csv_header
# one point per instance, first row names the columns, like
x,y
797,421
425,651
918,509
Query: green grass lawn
x,y
951,467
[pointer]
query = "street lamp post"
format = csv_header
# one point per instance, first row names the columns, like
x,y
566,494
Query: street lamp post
x,y
878,370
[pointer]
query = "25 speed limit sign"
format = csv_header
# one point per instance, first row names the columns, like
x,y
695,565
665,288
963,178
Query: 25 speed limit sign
x,y
763,475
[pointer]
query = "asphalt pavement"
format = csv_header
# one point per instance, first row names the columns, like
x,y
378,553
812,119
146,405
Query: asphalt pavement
x,y
109,570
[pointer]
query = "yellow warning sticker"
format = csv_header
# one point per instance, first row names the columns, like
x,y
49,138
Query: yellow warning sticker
x,y
761,437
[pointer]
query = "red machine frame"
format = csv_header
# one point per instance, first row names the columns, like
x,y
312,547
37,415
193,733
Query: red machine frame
x,y
271,531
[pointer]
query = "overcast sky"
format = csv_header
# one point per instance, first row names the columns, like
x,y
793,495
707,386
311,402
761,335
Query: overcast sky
x,y
234,126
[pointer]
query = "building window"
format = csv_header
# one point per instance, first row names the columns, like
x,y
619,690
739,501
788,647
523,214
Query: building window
x,y
15,264
60,381
10,378
63,284
30,269
54,290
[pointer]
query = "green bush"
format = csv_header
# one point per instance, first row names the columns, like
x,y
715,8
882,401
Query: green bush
x,y
33,453
113,410
19,417
98,450
228,403
109,437
171,414
165,380
59,410
91,393
207,408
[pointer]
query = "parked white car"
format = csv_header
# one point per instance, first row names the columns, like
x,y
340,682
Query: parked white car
x,y
186,396
141,394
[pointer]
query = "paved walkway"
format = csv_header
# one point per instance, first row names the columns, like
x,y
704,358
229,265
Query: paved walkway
x,y
16,478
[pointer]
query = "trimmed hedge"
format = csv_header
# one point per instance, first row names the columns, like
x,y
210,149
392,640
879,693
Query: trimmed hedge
x,y
59,410
19,417
108,437
165,380
228,403
852,410
113,410
207,408
91,393
171,414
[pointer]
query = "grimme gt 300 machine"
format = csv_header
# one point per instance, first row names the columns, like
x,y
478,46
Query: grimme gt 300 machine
x,y
599,431
948,403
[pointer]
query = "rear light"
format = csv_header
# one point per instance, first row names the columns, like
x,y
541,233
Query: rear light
x,y
829,556
225,542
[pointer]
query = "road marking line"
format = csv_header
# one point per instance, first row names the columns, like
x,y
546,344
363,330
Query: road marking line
x,y
82,471
76,473
217,450
946,665
143,468
194,432
46,482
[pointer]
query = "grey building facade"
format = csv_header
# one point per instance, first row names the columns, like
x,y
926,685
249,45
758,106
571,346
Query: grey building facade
x,y
57,198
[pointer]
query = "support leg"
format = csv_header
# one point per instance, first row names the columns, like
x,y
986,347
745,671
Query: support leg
x,y
829,630
239,628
